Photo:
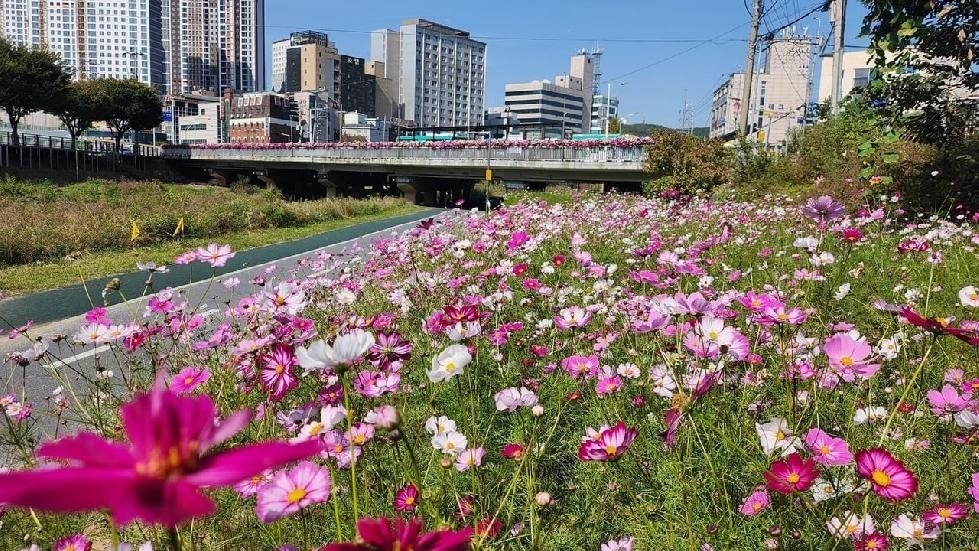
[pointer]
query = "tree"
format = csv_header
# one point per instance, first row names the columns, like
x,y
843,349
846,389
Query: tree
x,y
30,80
132,105
83,103
614,125
926,52
682,163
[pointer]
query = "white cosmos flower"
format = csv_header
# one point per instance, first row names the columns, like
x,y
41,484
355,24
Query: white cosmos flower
x,y
842,291
776,435
868,415
969,296
452,443
329,417
439,425
450,362
346,348
967,419
463,330
913,530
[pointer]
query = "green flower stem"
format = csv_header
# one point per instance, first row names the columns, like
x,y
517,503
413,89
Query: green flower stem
x,y
353,457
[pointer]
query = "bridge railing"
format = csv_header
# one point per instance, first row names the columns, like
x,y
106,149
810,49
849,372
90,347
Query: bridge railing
x,y
62,142
519,154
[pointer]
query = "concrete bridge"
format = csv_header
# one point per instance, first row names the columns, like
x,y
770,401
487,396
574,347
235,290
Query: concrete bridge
x,y
424,174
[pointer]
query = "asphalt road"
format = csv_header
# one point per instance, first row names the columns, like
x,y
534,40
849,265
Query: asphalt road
x,y
62,311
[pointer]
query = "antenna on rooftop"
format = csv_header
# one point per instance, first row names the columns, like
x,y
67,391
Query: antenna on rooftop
x,y
597,54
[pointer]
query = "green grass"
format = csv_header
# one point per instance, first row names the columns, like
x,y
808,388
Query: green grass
x,y
50,275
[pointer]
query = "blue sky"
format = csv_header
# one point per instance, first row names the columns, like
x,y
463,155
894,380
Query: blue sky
x,y
654,51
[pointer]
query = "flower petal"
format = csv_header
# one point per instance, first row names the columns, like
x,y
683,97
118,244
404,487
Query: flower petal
x,y
90,449
240,463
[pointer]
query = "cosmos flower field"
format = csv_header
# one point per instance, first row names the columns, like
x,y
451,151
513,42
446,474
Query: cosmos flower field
x,y
609,373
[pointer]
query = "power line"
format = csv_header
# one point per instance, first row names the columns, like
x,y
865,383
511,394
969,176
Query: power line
x,y
549,38
681,52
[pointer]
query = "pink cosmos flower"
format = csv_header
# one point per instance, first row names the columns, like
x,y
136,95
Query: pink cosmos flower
x,y
889,478
250,486
946,514
608,444
514,451
755,503
792,474
214,254
509,399
827,450
608,385
580,366
974,490
77,542
293,489
381,535
407,499
140,480
850,357
947,401
189,379
624,544
469,458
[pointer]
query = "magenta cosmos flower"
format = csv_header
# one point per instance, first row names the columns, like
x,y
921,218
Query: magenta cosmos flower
x,y
946,514
792,474
407,498
381,535
293,489
157,477
608,444
189,379
888,477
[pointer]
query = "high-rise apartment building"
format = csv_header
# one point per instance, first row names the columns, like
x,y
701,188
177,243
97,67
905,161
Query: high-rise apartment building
x,y
441,72
358,88
95,38
221,45
175,45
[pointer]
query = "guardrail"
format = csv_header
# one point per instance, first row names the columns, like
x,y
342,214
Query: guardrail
x,y
63,143
519,154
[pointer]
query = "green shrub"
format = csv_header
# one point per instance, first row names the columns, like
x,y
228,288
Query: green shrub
x,y
682,163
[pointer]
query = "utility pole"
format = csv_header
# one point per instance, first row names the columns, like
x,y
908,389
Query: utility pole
x,y
839,34
749,68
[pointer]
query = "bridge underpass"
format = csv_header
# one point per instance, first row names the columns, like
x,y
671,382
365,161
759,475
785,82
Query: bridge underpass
x,y
424,175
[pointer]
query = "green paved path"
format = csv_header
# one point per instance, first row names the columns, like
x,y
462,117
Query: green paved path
x,y
71,301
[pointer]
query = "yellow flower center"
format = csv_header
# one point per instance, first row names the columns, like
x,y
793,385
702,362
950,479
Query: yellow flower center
x,y
944,512
793,478
316,429
296,495
409,500
188,380
824,449
280,369
756,506
359,439
779,436
611,449
713,335
846,361
872,544
880,478
450,366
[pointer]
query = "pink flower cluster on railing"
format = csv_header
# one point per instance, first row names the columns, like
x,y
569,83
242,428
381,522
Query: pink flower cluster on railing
x,y
629,142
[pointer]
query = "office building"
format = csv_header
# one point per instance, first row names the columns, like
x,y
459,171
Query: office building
x,y
858,70
604,108
441,72
358,88
306,61
263,117
557,109
779,97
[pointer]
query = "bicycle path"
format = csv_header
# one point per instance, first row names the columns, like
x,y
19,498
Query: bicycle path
x,y
66,302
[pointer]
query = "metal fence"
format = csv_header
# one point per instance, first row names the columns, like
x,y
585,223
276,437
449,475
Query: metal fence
x,y
519,154
61,142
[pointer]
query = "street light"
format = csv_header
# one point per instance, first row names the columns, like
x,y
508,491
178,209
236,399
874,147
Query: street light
x,y
132,53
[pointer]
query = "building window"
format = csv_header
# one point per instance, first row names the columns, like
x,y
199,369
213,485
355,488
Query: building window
x,y
861,77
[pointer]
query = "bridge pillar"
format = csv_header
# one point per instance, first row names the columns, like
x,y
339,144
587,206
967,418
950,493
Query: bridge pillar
x,y
409,192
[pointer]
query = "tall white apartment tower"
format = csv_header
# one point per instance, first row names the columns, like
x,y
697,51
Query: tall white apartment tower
x,y
441,72
222,45
95,38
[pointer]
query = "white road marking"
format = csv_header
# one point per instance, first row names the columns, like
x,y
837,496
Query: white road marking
x,y
87,354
